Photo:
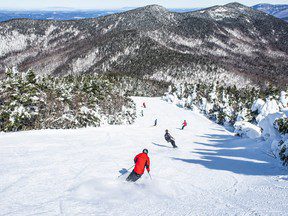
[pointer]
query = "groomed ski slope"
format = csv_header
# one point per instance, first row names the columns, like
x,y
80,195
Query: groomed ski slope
x,y
74,172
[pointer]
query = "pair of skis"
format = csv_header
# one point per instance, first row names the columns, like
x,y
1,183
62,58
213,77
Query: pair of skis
x,y
130,169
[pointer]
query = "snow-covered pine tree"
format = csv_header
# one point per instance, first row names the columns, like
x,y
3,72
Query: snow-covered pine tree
x,y
30,102
281,125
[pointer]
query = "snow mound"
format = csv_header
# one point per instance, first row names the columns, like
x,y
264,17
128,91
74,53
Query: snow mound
x,y
267,124
168,97
269,107
246,129
257,105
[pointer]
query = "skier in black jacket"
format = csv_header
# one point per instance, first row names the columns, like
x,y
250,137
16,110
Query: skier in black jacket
x,y
169,138
155,122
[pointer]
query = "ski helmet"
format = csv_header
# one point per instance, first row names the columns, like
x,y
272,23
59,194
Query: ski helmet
x,y
145,151
166,131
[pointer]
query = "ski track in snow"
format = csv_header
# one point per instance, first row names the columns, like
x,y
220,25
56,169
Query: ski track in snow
x,y
74,172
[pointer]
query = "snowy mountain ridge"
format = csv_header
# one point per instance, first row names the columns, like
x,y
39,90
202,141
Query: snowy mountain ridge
x,y
233,44
280,11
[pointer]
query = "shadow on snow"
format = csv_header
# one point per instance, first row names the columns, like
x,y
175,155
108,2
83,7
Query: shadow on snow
x,y
228,153
161,145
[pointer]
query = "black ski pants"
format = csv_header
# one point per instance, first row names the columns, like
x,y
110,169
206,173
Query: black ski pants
x,y
133,177
173,143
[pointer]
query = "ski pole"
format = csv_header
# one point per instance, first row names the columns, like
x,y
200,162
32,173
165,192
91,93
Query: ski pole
x,y
131,167
150,175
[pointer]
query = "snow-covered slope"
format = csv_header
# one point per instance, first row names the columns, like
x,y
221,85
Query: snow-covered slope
x,y
74,172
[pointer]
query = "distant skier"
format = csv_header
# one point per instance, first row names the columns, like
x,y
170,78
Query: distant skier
x,y
170,139
142,161
144,105
155,122
184,124
142,113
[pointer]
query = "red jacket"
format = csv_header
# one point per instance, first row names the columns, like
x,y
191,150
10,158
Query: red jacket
x,y
141,161
185,123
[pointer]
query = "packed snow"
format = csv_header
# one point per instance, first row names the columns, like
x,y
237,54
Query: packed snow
x,y
75,172
247,129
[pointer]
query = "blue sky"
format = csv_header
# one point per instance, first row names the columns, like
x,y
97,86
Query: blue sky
x,y
99,4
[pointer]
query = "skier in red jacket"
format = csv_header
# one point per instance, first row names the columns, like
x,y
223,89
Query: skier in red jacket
x,y
184,124
142,161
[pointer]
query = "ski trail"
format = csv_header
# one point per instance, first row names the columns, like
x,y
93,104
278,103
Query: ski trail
x,y
74,172
13,184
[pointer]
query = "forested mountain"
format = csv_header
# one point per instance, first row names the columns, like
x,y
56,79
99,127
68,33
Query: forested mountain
x,y
233,44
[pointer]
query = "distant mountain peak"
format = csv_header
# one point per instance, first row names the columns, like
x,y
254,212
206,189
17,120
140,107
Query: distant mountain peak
x,y
150,12
154,9
228,11
235,5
